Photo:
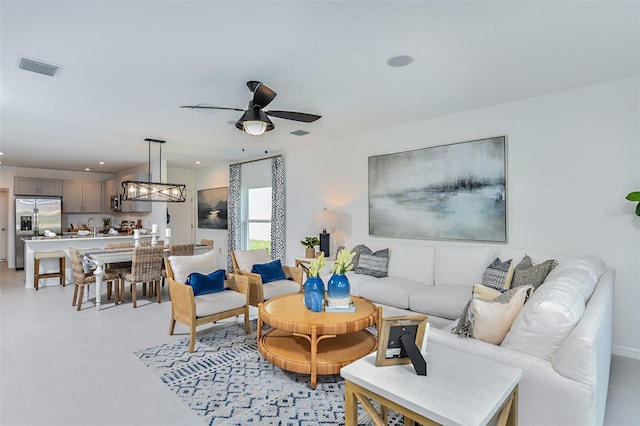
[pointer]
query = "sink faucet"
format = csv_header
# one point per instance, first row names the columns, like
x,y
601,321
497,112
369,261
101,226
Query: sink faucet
x,y
91,219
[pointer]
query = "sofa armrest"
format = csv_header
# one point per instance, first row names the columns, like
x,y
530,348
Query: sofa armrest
x,y
546,397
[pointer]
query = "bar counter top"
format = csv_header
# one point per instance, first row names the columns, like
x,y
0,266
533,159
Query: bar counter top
x,y
33,244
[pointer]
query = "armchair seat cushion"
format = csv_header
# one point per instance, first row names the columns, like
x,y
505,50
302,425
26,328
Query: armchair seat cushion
x,y
215,303
280,288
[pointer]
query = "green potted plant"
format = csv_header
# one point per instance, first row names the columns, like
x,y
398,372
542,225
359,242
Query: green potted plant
x,y
310,243
635,196
106,223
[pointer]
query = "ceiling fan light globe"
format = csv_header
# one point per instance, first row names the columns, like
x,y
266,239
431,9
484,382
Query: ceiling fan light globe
x,y
254,127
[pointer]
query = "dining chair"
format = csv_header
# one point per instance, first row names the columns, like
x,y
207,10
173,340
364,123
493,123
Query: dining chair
x,y
83,276
259,291
146,267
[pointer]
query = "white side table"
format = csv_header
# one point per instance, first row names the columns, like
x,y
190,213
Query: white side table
x,y
459,389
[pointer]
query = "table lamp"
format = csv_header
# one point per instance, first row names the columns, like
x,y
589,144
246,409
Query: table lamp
x,y
325,219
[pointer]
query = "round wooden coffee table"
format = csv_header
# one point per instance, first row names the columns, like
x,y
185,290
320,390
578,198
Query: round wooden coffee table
x,y
294,341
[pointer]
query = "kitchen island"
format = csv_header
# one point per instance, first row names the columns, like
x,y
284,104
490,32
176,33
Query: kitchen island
x,y
33,244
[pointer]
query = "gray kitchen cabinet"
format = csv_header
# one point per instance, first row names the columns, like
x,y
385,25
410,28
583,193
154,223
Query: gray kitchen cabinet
x,y
109,189
135,206
36,186
81,196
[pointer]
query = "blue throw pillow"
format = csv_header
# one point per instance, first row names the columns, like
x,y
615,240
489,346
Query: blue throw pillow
x,y
269,272
210,283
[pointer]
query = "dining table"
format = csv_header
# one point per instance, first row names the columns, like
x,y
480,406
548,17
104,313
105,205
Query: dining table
x,y
100,257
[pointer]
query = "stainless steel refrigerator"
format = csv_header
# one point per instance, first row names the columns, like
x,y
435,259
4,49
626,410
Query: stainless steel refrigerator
x,y
34,215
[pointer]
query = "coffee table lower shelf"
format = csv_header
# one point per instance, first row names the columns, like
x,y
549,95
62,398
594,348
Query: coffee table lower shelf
x,y
294,353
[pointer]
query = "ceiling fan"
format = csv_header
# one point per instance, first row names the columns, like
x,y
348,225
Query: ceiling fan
x,y
255,120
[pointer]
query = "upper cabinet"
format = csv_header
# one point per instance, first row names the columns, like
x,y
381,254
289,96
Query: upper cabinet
x,y
81,196
109,189
37,186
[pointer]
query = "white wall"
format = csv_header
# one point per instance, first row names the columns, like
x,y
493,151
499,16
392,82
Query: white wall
x,y
572,158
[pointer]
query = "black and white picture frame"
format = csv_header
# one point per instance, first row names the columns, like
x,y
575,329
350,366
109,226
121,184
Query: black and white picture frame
x,y
447,192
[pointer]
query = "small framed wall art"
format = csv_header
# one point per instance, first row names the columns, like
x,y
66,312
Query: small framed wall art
x,y
399,339
212,208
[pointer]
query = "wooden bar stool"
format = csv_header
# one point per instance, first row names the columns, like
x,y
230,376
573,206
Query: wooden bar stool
x,y
56,254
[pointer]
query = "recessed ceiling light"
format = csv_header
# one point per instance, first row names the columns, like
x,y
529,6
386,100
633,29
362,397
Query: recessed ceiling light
x,y
400,61
299,132
101,162
87,169
197,162
1,153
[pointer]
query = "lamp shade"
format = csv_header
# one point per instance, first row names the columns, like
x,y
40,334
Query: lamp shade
x,y
325,219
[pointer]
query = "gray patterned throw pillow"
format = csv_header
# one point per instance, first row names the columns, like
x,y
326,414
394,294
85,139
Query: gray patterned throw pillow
x,y
498,275
526,273
374,264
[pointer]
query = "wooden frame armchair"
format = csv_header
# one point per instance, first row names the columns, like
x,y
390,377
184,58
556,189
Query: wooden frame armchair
x,y
193,311
243,260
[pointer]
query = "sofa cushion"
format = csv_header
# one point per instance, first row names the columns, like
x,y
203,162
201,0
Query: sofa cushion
x,y
461,265
182,266
546,320
374,264
583,272
498,274
526,273
490,320
413,262
214,303
392,291
442,301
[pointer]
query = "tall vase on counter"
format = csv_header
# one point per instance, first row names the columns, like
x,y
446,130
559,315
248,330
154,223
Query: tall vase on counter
x,y
314,286
338,287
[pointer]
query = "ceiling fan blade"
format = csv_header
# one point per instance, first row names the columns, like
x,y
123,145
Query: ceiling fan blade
x,y
296,116
210,107
262,95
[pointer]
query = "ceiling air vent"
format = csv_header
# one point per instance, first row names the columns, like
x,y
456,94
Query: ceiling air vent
x,y
299,132
37,66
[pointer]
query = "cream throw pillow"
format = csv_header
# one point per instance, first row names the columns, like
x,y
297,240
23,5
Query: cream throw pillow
x,y
490,320
493,318
485,293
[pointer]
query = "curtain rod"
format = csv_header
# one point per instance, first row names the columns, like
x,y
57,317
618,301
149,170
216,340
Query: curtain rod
x,y
253,161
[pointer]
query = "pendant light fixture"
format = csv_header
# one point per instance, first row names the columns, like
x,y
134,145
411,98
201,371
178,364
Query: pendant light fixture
x,y
153,191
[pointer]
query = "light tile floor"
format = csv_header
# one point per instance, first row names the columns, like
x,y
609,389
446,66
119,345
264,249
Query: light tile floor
x,y
63,367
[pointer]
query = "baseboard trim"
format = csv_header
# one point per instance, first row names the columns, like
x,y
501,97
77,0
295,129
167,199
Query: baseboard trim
x,y
626,352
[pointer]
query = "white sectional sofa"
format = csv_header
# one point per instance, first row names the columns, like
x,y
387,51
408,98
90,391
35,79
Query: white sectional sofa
x,y
561,338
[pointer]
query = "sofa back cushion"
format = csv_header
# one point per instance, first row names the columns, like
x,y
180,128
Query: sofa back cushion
x,y
546,319
582,272
461,265
413,262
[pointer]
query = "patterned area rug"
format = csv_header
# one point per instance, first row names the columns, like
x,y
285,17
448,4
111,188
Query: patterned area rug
x,y
227,382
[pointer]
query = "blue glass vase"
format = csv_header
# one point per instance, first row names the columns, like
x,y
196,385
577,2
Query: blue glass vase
x,y
338,291
314,294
